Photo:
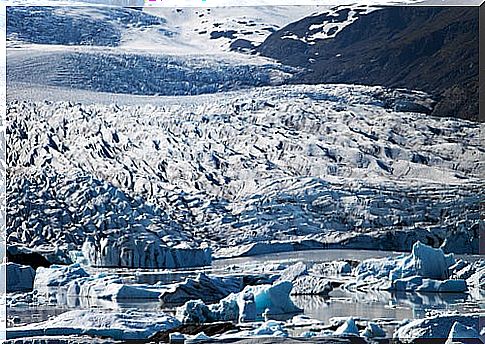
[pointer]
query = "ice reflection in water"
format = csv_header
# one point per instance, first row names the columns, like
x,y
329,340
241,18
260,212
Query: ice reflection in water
x,y
373,305
369,304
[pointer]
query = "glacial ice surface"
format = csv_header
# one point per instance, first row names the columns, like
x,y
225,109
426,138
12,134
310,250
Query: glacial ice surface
x,y
279,185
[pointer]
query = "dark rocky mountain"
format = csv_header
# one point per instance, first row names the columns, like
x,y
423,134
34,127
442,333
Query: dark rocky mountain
x,y
433,49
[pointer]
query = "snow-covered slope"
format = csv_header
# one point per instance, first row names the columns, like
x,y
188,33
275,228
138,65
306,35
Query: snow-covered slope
x,y
320,163
208,30
158,30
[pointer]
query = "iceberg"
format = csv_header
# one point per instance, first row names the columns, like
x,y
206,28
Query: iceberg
x,y
252,302
109,288
424,261
462,334
426,285
372,330
72,281
199,337
203,287
426,269
347,328
305,283
270,328
130,325
57,276
19,277
438,326
334,268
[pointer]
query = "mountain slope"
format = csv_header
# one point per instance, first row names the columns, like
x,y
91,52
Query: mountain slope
x,y
434,49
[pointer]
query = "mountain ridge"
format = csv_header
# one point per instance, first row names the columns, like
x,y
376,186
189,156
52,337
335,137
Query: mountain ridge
x,y
432,49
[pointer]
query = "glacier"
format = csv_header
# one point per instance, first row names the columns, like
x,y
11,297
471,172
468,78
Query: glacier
x,y
363,184
175,152
142,252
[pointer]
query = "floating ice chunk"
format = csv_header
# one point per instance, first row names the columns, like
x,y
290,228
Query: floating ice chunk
x,y
462,334
271,328
109,288
347,328
426,269
117,325
438,326
303,282
373,330
334,268
19,277
304,320
275,299
73,281
294,271
424,261
57,275
199,337
426,285
311,285
326,333
376,268
308,334
247,311
268,328
197,312
205,288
